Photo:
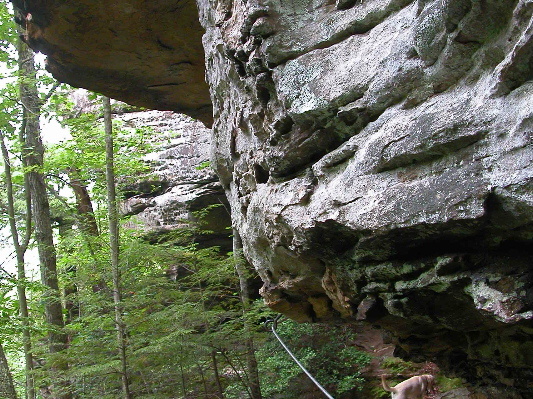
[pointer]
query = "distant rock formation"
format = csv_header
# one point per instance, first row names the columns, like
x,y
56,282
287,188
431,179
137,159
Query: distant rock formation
x,y
376,154
182,182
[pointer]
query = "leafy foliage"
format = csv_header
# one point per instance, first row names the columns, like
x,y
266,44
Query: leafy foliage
x,y
84,155
8,34
326,351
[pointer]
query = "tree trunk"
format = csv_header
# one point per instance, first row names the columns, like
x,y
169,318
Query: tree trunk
x,y
236,372
7,389
84,205
114,247
20,251
33,157
202,376
70,289
89,228
217,375
242,272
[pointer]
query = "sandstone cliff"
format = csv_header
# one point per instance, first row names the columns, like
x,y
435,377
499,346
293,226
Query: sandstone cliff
x,y
376,154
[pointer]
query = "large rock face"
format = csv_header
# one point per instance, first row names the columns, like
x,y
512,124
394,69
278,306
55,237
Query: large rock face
x,y
147,53
377,158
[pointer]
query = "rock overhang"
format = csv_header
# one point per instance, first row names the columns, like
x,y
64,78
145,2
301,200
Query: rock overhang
x,y
147,54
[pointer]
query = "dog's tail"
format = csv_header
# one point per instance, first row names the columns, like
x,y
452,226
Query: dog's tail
x,y
386,386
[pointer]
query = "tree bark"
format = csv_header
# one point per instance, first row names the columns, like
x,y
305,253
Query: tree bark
x,y
7,388
242,272
84,205
217,375
20,251
114,247
89,228
33,159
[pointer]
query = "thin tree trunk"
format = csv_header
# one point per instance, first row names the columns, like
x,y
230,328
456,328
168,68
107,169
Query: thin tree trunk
x,y
183,386
204,383
33,154
84,204
20,250
236,372
7,389
242,272
217,376
114,245
70,290
89,228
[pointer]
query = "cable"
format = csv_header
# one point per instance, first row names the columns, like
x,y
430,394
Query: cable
x,y
273,328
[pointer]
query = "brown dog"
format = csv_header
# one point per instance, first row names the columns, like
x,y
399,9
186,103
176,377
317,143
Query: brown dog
x,y
413,388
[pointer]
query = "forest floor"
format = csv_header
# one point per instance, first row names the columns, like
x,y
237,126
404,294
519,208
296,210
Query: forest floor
x,y
383,361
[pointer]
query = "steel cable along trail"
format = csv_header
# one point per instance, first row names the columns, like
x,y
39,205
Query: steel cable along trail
x,y
273,328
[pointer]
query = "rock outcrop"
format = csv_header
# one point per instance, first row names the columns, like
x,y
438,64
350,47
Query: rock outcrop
x,y
376,155
146,53
182,191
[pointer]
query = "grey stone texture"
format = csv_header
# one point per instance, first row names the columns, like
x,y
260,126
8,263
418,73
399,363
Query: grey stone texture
x,y
181,182
377,158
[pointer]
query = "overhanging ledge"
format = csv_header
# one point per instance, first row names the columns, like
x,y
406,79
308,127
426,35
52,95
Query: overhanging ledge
x,y
147,54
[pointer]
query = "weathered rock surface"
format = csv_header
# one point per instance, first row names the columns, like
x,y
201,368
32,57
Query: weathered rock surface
x,y
377,157
146,53
181,182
